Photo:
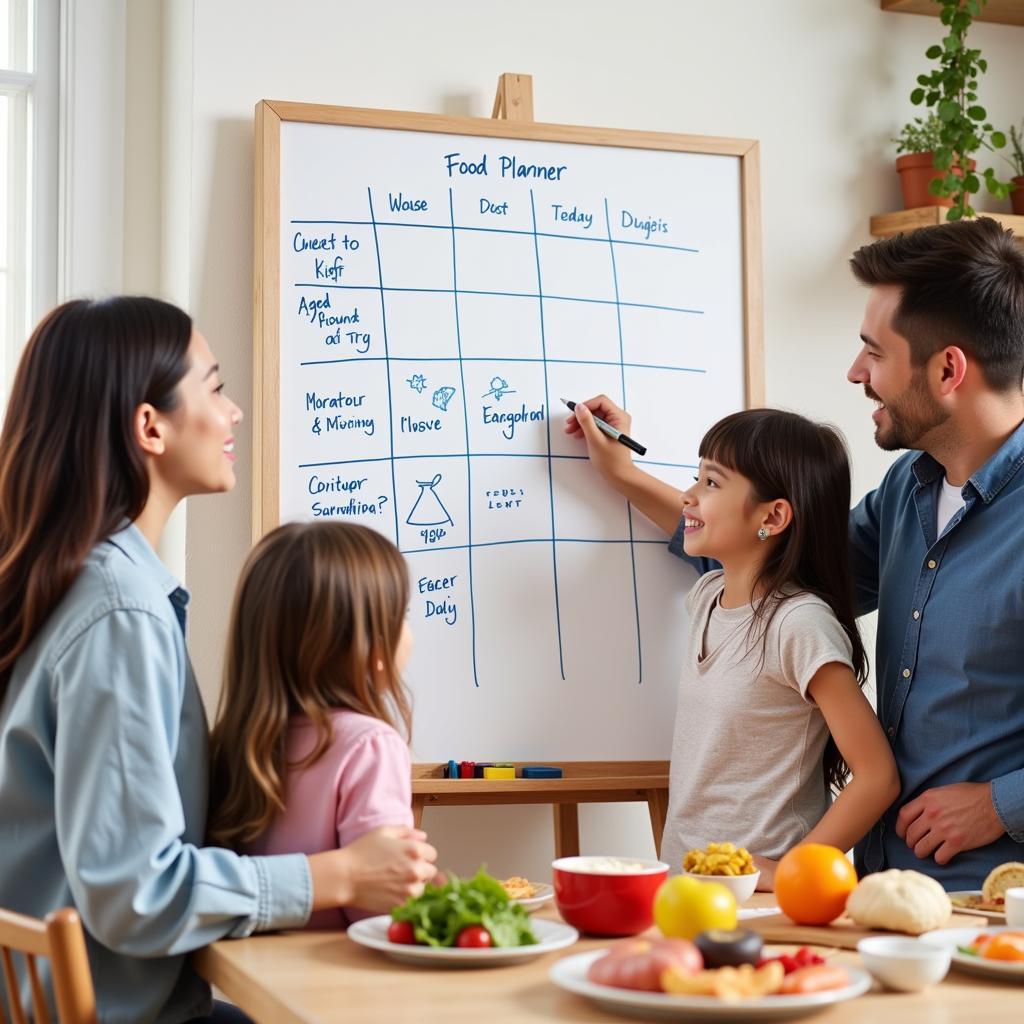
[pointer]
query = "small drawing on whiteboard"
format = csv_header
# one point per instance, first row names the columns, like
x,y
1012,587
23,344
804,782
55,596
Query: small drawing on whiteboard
x,y
499,388
429,510
418,383
441,398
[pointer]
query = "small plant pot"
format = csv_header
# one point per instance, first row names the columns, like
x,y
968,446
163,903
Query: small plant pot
x,y
916,173
1017,195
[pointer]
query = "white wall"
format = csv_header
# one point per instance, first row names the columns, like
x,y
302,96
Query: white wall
x,y
822,84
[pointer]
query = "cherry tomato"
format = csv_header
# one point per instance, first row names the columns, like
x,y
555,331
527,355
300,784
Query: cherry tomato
x,y
473,936
403,932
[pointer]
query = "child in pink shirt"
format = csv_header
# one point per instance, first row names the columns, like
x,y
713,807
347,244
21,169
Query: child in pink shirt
x,y
305,753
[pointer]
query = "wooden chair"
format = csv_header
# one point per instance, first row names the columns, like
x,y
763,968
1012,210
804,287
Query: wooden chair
x,y
60,939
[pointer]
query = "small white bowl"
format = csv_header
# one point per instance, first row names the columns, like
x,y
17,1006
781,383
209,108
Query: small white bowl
x,y
1015,906
741,886
903,963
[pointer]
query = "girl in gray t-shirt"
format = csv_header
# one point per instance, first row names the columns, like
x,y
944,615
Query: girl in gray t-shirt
x,y
771,717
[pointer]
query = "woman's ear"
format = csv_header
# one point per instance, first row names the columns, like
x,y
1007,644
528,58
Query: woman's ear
x,y
150,430
777,517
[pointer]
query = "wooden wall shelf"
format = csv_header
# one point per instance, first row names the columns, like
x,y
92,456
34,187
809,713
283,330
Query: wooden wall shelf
x,y
1005,12
885,224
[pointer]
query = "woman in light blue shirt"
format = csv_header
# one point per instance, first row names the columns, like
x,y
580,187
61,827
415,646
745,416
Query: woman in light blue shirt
x,y
116,414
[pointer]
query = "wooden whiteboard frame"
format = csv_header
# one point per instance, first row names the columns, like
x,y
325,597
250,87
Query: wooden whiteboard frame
x,y
266,362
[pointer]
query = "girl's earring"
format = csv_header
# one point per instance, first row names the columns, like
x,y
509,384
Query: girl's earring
x,y
380,665
762,534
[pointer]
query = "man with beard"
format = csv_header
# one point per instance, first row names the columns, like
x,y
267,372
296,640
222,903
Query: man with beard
x,y
937,547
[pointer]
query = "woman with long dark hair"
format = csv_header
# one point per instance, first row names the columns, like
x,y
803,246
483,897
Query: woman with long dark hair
x,y
116,414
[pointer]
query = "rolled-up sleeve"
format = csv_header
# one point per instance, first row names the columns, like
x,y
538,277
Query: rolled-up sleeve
x,y
1008,800
140,888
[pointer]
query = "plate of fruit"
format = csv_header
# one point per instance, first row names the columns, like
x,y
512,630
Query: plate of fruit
x,y
995,951
721,975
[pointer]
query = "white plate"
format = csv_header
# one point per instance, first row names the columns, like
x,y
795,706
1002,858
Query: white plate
x,y
373,932
953,938
998,916
545,894
570,973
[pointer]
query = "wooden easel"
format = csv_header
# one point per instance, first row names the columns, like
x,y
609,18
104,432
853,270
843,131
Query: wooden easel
x,y
582,781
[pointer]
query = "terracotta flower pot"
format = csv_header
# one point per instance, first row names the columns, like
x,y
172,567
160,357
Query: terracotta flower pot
x,y
1017,195
916,172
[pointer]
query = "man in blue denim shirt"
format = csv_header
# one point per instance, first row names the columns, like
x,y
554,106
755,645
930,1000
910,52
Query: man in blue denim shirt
x,y
938,548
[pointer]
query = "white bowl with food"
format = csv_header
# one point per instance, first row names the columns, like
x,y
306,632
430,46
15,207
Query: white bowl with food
x,y
741,886
904,964
727,863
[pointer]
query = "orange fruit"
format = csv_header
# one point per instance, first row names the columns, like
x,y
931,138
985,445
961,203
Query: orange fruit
x,y
812,883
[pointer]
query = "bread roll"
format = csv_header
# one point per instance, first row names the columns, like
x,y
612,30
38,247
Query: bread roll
x,y
900,901
1002,878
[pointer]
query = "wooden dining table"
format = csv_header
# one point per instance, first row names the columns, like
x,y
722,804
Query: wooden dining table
x,y
318,977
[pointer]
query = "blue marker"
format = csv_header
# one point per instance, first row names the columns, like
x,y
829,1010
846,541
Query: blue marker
x,y
615,435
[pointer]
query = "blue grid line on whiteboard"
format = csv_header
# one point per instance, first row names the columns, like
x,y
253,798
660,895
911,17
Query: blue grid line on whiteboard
x,y
504,359
469,461
510,295
625,405
502,231
527,540
547,426
486,455
387,363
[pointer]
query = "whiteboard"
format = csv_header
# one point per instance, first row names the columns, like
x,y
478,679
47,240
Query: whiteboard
x,y
428,297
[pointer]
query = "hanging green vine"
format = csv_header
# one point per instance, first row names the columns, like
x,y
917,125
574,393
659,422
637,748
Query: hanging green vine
x,y
951,90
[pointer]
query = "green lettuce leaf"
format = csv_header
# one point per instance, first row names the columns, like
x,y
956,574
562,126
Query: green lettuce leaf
x,y
443,911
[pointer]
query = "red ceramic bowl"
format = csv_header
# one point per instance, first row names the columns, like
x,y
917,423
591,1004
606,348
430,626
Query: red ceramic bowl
x,y
606,902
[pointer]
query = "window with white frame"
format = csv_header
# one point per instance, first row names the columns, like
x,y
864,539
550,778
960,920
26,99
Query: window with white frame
x,y
29,49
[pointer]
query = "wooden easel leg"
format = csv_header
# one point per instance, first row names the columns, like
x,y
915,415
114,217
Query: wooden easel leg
x,y
514,99
567,830
418,803
657,806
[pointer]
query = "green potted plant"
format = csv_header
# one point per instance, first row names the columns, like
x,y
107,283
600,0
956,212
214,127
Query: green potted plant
x,y
1016,161
951,92
918,141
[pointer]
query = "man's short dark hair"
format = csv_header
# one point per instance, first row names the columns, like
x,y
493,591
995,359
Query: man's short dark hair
x,y
963,285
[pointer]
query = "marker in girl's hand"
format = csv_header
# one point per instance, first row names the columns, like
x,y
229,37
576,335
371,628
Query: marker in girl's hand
x,y
615,435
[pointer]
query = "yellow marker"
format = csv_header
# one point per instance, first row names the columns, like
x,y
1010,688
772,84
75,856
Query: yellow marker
x,y
499,773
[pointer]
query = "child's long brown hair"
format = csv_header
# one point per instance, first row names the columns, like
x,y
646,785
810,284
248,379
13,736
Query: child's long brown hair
x,y
785,455
318,607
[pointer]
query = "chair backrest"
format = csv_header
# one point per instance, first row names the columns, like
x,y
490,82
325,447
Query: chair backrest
x,y
59,938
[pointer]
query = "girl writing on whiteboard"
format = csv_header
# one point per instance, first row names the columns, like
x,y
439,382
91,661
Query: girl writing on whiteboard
x,y
771,718
305,752
117,412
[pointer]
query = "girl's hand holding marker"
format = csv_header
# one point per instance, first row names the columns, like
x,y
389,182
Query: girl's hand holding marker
x,y
611,458
611,431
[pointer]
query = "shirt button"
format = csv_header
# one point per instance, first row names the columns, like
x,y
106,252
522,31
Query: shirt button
x,y
906,673
931,563
890,732
917,614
